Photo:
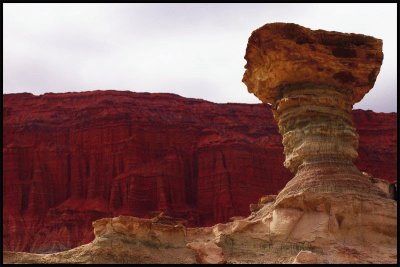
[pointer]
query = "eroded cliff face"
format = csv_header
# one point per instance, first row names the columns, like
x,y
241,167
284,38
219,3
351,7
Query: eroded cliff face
x,y
70,159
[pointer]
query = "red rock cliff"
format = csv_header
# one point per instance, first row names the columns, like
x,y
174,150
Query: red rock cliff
x,y
72,158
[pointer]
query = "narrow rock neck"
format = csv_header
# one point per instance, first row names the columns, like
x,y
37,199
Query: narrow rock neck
x,y
316,125
320,143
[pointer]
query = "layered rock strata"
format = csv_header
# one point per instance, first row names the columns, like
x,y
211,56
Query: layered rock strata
x,y
307,224
320,141
312,79
72,158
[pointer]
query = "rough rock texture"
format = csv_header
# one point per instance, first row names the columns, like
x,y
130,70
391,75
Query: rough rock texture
x,y
122,240
207,252
70,159
266,236
313,112
280,54
314,219
306,257
371,161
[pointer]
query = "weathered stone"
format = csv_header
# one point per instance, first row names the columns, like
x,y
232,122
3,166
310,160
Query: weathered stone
x,y
296,70
267,199
312,79
329,213
281,54
54,150
207,252
306,257
255,207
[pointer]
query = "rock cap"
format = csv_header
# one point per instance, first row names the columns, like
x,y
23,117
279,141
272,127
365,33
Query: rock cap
x,y
281,54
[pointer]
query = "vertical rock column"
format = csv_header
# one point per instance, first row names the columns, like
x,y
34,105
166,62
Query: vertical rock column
x,y
312,79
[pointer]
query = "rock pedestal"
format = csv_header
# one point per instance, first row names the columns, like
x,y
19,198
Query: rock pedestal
x,y
312,79
320,141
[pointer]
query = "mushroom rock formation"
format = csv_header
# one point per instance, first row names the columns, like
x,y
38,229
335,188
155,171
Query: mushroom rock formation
x,y
312,79
330,212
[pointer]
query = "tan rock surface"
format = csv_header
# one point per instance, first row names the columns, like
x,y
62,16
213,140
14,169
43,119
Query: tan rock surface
x,y
270,235
312,79
306,257
207,252
295,69
279,54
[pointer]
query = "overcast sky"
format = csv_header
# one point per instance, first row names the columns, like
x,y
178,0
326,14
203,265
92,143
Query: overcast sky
x,y
194,50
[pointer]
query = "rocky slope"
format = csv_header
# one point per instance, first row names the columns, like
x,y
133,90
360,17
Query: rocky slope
x,y
72,158
260,238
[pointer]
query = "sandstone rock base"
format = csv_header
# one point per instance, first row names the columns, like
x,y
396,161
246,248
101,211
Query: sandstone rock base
x,y
310,227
